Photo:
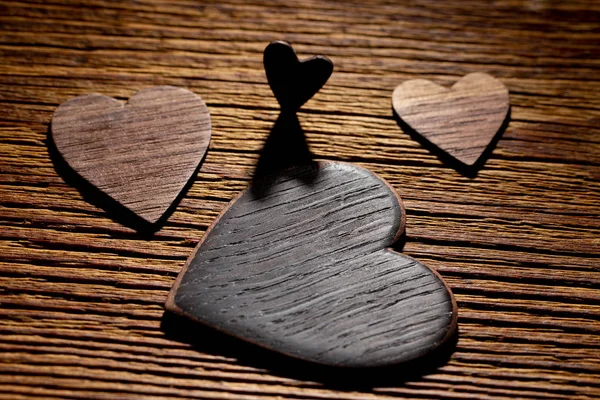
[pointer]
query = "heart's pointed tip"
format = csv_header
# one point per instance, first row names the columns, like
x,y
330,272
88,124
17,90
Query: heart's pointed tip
x,y
467,161
151,219
153,216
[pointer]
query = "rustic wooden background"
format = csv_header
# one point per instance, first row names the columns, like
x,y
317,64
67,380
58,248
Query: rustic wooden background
x,y
82,295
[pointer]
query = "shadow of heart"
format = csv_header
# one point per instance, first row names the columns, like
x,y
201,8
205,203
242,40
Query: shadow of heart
x,y
284,149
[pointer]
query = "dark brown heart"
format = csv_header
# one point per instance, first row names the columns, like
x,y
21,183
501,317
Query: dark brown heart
x,y
141,154
462,120
307,271
293,82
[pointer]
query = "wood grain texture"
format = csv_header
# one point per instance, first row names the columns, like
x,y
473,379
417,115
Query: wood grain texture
x,y
141,154
305,269
462,120
82,296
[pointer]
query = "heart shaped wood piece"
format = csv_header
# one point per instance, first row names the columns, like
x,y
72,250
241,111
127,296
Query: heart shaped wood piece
x,y
294,82
462,120
140,154
307,271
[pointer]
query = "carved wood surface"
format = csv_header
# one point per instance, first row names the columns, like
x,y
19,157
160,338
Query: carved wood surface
x,y
140,154
304,267
461,120
82,296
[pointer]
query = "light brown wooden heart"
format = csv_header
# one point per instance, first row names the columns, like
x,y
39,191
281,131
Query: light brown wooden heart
x,y
462,120
141,154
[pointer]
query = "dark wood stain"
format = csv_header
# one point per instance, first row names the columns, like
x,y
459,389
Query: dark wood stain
x,y
141,154
462,120
306,270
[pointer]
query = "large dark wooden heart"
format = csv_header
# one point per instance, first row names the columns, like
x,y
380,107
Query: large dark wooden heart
x,y
141,154
294,82
307,271
462,120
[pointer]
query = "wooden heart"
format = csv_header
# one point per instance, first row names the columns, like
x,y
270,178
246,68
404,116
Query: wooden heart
x,y
307,271
462,120
294,82
141,154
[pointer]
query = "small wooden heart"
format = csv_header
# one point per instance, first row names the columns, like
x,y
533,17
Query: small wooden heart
x,y
462,120
306,270
294,82
141,154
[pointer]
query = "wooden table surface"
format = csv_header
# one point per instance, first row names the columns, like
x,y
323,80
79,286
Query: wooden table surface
x,y
82,296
